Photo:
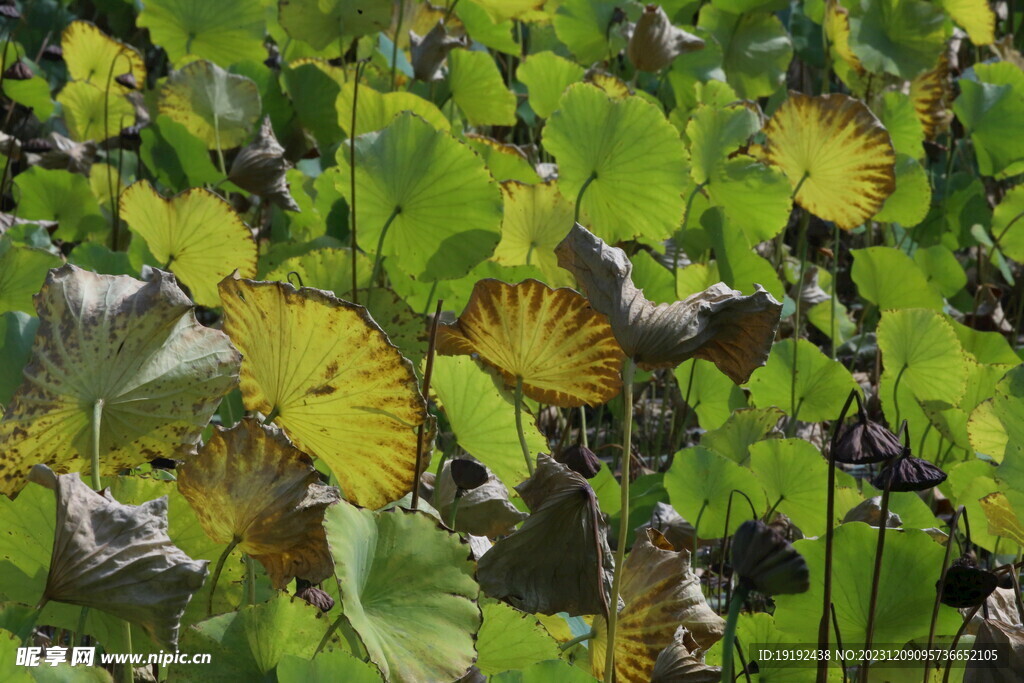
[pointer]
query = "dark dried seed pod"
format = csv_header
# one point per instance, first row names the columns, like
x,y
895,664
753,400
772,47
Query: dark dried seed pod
x,y
37,145
767,562
909,474
866,442
313,595
10,12
966,585
131,135
19,71
53,53
128,81
468,474
580,459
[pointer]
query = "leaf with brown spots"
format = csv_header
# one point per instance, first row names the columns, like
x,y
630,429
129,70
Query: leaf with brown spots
x,y
333,381
196,234
836,152
250,483
661,593
562,349
721,325
931,92
134,351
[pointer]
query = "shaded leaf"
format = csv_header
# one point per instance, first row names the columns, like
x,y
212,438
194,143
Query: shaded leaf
x,y
218,107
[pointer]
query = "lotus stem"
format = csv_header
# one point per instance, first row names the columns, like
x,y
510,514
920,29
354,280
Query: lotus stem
x,y
876,575
519,425
80,631
805,219
830,511
579,196
942,584
589,635
115,226
352,175
628,370
839,640
377,258
455,509
735,605
427,373
896,394
394,46
956,639
583,426
216,574
97,419
128,672
833,332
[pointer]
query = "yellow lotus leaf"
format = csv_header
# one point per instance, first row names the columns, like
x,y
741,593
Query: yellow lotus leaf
x,y
837,152
837,26
120,357
500,10
251,485
975,16
562,349
328,375
661,592
218,107
930,92
375,110
93,56
196,235
86,115
1003,520
533,224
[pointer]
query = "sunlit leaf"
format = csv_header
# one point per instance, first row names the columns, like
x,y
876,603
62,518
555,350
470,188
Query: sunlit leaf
x,y
196,235
834,149
944,271
408,590
546,76
1008,223
633,154
93,113
375,110
900,37
793,474
321,22
177,158
577,361
22,272
990,110
976,16
129,352
583,25
220,108
329,664
741,430
699,483
890,279
929,92
822,384
1003,520
899,116
478,89
921,348
59,196
317,85
510,639
226,32
95,57
756,49
16,333
910,201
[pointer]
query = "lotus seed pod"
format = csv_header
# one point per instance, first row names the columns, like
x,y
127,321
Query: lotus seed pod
x,y
865,442
468,475
656,42
580,459
313,595
767,562
127,80
909,474
19,71
260,168
966,585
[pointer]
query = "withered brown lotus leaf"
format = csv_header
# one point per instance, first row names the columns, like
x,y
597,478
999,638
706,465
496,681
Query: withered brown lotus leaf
x,y
767,562
483,511
260,168
656,42
733,331
430,51
672,526
580,459
991,633
680,663
966,585
908,473
131,352
559,560
65,154
250,483
661,592
563,349
118,558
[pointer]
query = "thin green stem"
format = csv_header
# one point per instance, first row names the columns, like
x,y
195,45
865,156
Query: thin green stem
x,y
378,257
274,412
427,373
455,509
80,631
128,672
216,574
589,635
115,227
896,392
97,419
628,370
942,583
583,426
956,639
876,576
805,218
352,174
519,425
394,46
579,196
220,152
735,605
833,333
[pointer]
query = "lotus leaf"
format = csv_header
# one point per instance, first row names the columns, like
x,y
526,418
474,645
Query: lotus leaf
x,y
225,31
93,113
510,639
478,89
219,107
546,76
95,57
22,271
120,357
321,22
482,511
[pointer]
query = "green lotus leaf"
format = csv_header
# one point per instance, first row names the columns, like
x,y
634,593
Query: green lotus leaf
x,y
497,35
839,326
546,76
1007,223
478,89
317,85
504,161
794,474
251,642
756,49
218,107
968,482
328,665
533,224
899,37
715,133
172,373
511,639
93,56
632,153
408,590
699,483
16,332
945,273
322,22
757,199
176,157
986,347
545,672
34,94
22,272
905,598
375,110
59,196
653,278
744,428
975,16
898,115
994,426
909,203
225,32
92,113
890,279
921,348
481,415
822,384
439,180
712,395
584,26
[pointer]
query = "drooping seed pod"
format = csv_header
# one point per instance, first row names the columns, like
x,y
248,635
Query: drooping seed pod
x,y
10,12
313,595
866,441
656,42
260,168
127,80
53,53
966,585
767,562
908,473
18,71
467,474
580,459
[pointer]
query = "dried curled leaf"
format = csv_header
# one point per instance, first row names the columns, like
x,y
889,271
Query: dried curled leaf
x,y
661,592
131,350
118,558
483,511
997,633
562,349
559,560
733,331
656,42
682,662
430,51
260,168
250,483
